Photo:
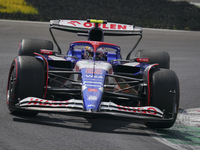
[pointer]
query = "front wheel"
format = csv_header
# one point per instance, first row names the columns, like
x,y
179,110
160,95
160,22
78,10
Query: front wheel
x,y
26,79
165,96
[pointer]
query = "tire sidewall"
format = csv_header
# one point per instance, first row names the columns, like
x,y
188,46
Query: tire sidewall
x,y
165,96
29,74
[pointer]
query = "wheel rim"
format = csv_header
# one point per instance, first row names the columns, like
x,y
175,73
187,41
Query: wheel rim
x,y
11,88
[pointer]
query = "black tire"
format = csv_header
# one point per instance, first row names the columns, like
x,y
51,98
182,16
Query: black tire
x,y
165,96
26,79
160,57
27,47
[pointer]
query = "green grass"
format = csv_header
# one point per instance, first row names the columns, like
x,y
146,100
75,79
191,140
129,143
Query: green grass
x,y
16,6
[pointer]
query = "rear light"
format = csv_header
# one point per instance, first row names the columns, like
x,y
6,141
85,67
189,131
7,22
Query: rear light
x,y
47,52
141,59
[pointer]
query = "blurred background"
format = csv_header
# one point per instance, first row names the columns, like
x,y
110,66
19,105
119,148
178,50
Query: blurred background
x,y
162,14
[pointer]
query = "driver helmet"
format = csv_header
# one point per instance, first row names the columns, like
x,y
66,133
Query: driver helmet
x,y
89,53
100,52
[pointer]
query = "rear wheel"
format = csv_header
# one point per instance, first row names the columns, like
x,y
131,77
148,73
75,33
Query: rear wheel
x,y
160,57
165,96
26,79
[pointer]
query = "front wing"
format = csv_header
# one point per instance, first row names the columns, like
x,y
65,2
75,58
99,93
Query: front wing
x,y
75,107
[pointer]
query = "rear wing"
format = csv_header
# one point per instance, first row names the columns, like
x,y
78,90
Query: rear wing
x,y
83,27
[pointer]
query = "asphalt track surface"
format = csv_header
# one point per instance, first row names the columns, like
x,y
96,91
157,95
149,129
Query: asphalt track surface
x,y
53,131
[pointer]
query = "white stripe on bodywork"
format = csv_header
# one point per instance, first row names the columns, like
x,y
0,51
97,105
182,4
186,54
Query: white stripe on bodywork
x,y
133,64
56,58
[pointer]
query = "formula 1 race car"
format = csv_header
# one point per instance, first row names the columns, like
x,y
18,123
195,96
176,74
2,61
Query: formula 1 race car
x,y
92,79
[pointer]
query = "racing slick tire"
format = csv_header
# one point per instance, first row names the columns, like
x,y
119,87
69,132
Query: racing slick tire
x,y
160,57
165,96
27,47
26,79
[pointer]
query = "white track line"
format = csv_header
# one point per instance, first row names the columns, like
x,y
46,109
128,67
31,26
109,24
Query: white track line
x,y
21,21
187,118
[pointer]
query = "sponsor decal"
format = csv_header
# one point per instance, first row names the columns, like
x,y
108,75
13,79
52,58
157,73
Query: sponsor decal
x,y
108,26
41,102
152,109
89,85
47,52
133,64
149,110
56,58
92,98
95,71
74,23
92,82
142,59
91,76
92,90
